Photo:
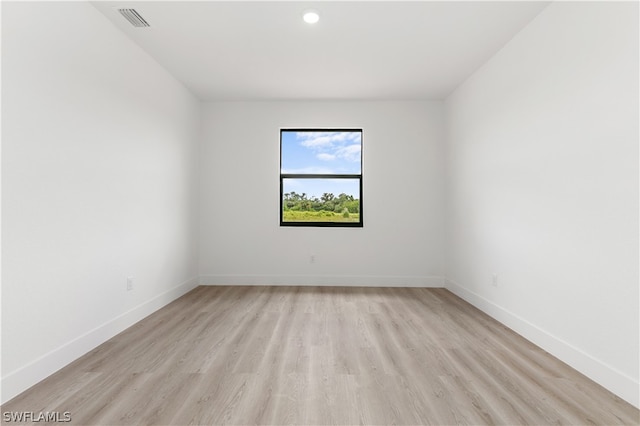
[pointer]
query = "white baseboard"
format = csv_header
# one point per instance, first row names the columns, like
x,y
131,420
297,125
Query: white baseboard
x,y
324,280
617,382
23,378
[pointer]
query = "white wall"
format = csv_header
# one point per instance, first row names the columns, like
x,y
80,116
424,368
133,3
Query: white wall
x,y
241,241
98,183
542,188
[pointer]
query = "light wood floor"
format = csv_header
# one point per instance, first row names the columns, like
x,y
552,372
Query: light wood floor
x,y
322,355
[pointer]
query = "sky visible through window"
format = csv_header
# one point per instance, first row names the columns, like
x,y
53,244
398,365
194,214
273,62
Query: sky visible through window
x,y
333,152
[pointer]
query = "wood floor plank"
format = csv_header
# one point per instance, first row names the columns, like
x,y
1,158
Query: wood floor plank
x,y
321,356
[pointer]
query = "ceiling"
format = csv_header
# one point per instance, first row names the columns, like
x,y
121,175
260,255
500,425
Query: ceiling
x,y
237,50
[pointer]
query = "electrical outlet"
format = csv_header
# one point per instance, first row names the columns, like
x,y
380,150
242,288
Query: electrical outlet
x,y
129,283
495,280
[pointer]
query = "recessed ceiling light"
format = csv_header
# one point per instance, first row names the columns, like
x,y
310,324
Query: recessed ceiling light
x,y
311,17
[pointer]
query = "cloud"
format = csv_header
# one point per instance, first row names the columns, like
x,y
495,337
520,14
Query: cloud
x,y
332,145
349,152
326,157
326,139
309,171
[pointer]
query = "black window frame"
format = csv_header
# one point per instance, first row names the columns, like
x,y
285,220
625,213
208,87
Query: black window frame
x,y
359,223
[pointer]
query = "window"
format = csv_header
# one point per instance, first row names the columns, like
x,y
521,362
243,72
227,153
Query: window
x,y
321,177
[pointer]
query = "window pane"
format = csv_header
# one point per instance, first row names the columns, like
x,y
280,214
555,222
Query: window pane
x,y
321,200
311,152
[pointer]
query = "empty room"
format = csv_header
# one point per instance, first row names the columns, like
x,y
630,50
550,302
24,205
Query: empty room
x,y
329,212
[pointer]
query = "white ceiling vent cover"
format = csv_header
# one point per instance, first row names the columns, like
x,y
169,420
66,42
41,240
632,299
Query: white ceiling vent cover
x,y
133,17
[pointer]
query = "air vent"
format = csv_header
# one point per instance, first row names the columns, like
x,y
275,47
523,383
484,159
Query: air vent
x,y
133,17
